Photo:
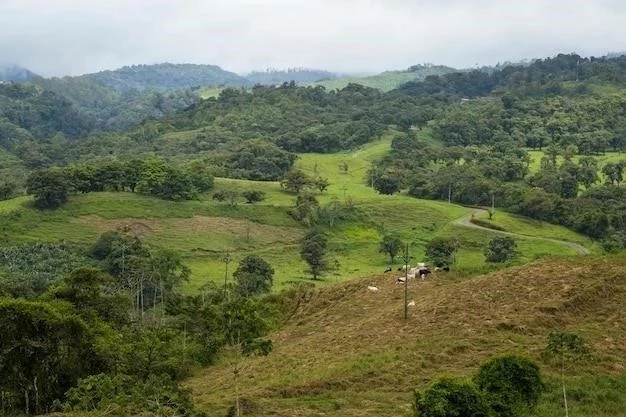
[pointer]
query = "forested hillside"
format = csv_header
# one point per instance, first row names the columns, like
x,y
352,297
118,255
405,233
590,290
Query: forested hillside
x,y
110,109
250,134
570,106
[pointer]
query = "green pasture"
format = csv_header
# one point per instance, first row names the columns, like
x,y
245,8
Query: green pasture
x,y
530,227
607,157
208,92
204,230
385,81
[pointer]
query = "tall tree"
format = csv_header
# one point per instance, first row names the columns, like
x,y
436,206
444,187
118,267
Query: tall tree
x,y
313,251
49,187
45,349
390,245
441,250
614,172
254,275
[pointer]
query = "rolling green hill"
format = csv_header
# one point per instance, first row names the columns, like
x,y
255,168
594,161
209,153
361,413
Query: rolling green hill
x,y
203,231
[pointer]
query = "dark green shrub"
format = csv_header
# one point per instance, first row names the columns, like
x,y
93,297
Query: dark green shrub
x,y
449,397
253,196
501,249
511,384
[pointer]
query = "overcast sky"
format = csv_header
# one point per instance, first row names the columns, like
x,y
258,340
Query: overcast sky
x,y
71,37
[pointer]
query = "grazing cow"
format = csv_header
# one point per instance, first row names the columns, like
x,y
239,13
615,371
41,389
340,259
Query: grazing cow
x,y
374,289
442,267
388,269
411,303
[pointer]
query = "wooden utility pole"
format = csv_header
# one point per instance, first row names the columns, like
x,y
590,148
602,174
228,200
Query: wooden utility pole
x,y
406,281
226,260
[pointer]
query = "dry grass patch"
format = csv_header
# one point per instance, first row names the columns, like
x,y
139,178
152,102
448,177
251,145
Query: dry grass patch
x,y
236,228
350,348
136,227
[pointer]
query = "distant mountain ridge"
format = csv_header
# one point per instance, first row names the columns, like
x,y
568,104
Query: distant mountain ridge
x,y
166,76
15,73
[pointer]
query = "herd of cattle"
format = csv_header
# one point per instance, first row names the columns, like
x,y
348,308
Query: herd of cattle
x,y
421,270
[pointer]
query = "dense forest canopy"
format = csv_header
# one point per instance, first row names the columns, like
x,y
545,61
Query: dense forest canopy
x,y
542,76
573,108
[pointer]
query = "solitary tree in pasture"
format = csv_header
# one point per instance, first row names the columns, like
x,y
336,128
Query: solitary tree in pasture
x,y
614,172
501,249
391,245
511,385
387,184
295,181
441,251
313,252
254,275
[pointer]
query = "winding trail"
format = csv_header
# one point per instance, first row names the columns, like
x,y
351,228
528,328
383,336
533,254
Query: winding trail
x,y
466,221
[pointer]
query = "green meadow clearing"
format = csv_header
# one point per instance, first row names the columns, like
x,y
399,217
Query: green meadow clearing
x,y
605,158
203,231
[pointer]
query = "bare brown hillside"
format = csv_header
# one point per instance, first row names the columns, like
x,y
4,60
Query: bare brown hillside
x,y
349,352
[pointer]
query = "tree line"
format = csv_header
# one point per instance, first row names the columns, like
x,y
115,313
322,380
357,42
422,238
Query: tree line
x,y
50,187
563,191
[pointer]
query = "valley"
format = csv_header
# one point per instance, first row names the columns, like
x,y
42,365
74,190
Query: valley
x,y
179,240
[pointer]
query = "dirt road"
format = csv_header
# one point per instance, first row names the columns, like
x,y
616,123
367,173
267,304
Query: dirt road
x,y
466,221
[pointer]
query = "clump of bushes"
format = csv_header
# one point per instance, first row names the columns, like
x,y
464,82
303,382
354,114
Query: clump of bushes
x,y
505,386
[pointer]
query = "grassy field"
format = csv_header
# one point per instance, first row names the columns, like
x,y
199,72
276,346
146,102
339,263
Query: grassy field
x,y
530,227
385,81
603,159
208,92
348,352
203,231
